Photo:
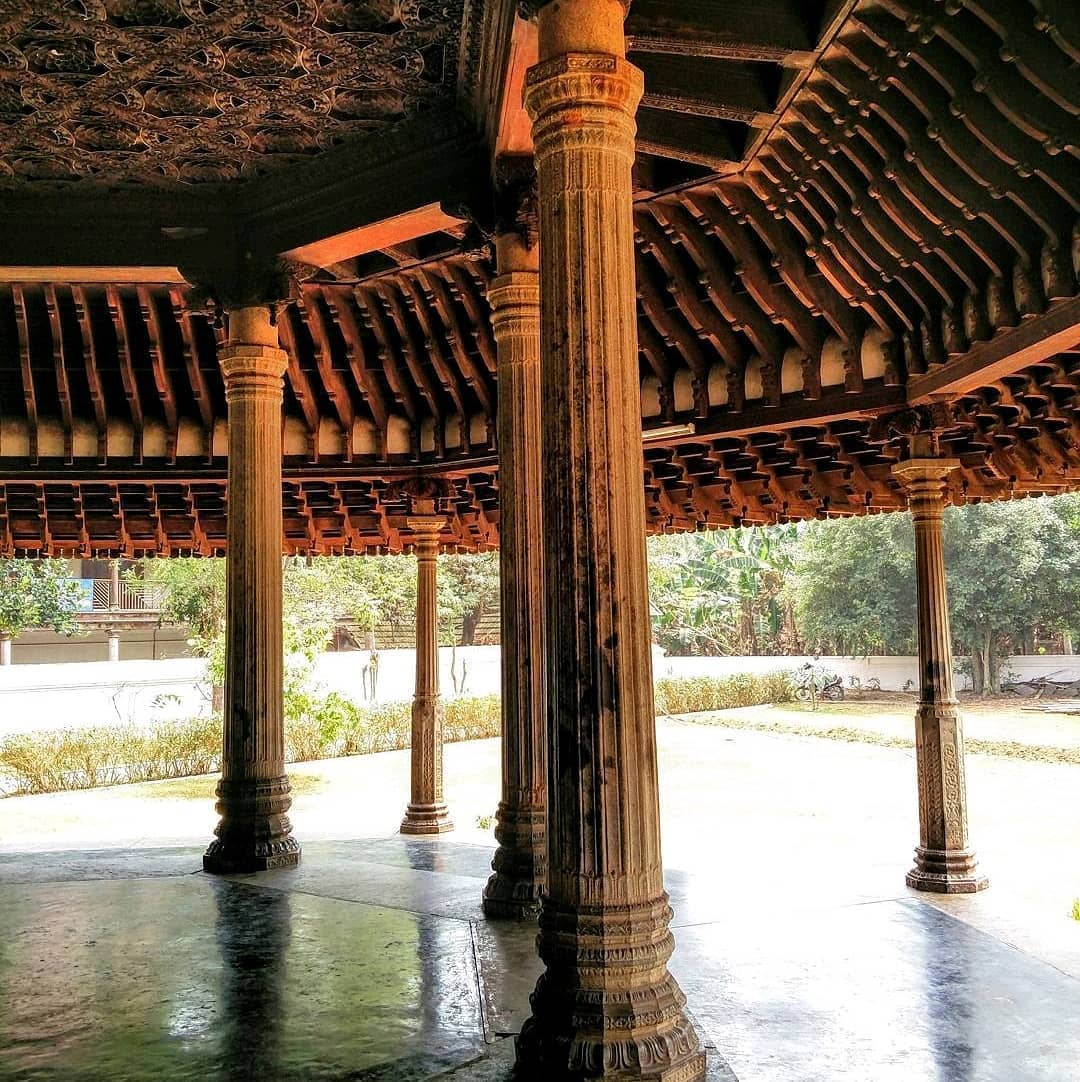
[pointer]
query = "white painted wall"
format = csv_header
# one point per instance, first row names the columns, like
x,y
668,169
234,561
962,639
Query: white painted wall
x,y
57,696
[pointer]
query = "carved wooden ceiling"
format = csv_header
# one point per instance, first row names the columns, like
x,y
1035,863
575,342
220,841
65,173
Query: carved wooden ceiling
x,y
166,92
844,210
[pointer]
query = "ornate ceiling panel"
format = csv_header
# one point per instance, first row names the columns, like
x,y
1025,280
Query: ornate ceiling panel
x,y
171,92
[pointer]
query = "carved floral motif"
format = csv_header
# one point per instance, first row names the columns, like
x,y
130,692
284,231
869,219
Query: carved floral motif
x,y
204,91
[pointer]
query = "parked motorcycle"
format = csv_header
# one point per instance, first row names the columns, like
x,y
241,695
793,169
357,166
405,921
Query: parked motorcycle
x,y
813,682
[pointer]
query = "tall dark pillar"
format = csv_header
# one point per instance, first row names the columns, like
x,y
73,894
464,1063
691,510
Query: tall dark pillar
x,y
606,1006
520,861
254,832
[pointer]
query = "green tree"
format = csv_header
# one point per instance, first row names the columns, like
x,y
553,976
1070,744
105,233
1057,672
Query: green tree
x,y
192,594
36,593
855,585
722,592
468,589
1011,567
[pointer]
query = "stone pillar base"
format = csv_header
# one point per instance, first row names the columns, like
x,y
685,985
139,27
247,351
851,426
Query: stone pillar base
x,y
254,834
427,819
946,871
234,858
520,863
607,1007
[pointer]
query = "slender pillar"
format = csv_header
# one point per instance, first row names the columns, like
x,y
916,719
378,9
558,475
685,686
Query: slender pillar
x,y
606,1006
114,584
521,858
5,649
944,860
427,812
114,647
253,795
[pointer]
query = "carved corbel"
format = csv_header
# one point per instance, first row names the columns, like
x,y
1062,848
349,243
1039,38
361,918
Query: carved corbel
x,y
422,495
249,283
516,208
916,430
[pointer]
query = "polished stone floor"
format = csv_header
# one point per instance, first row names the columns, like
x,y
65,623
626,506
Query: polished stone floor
x,y
372,961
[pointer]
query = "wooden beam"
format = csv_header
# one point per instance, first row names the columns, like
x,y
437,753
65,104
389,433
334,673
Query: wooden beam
x,y
763,30
513,134
723,90
387,233
89,275
1036,339
688,138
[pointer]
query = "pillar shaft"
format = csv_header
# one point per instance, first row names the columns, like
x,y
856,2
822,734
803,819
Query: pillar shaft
x,y
606,1006
944,860
114,647
521,858
253,795
427,812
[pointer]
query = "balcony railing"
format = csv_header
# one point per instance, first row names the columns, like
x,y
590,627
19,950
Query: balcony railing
x,y
101,595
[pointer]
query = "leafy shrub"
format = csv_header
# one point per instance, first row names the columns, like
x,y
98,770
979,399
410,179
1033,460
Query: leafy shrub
x,y
109,755
691,694
473,718
317,727
1076,909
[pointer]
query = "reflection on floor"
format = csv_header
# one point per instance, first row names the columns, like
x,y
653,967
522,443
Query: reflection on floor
x,y
372,961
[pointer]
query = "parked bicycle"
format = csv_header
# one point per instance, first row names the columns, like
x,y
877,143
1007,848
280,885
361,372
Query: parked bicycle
x,y
812,682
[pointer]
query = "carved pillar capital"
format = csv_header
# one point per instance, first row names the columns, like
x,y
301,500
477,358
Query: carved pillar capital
x,y
426,529
584,101
924,483
252,363
514,296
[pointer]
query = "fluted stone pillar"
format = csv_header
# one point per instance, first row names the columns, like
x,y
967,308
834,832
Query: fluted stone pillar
x,y
253,795
521,858
944,860
427,812
606,1006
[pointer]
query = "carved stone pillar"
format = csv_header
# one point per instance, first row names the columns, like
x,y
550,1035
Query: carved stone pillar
x,y
944,860
427,812
606,1005
253,795
521,858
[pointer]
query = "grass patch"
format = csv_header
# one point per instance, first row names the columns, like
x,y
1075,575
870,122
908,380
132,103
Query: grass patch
x,y
1005,749
202,788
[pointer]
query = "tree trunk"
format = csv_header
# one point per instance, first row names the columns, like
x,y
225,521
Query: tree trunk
x,y
469,623
990,683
